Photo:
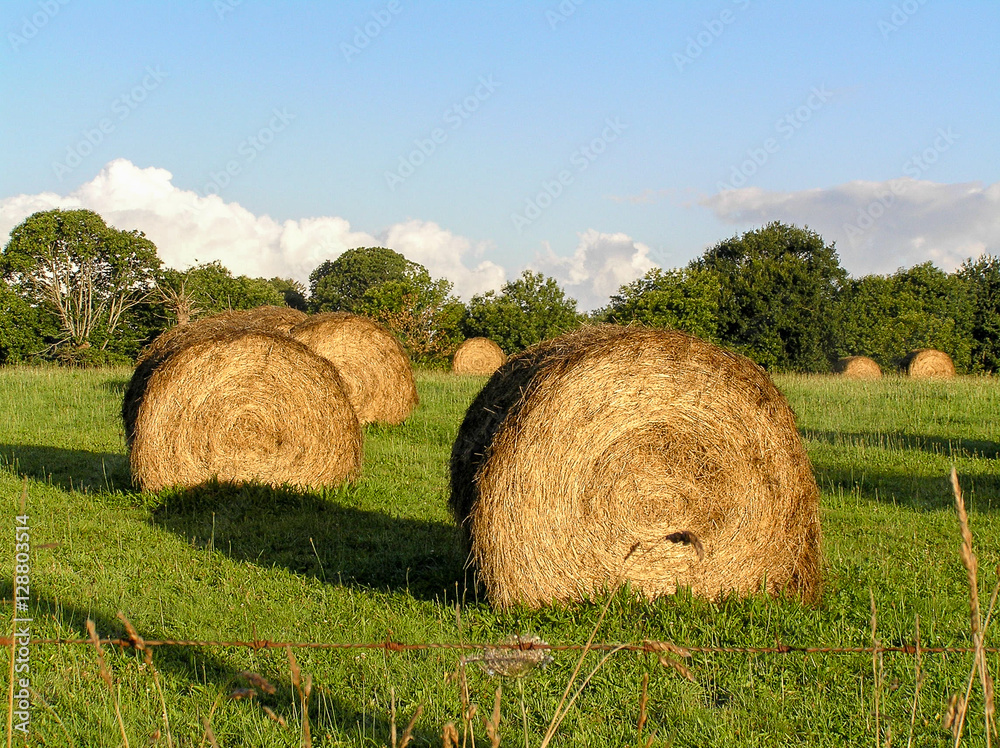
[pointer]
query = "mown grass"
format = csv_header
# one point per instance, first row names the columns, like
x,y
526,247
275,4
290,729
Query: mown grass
x,y
382,560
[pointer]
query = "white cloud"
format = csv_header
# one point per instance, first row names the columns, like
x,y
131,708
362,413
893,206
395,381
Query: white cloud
x,y
601,264
880,227
188,229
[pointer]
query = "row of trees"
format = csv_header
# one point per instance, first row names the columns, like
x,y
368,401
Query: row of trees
x,y
76,290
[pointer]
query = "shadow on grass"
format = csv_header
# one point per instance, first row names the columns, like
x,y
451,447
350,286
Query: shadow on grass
x,y
897,440
318,534
70,469
189,668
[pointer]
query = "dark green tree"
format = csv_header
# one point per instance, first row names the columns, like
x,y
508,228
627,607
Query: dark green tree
x,y
340,284
526,311
685,300
982,282
212,288
293,291
25,331
885,317
85,274
778,287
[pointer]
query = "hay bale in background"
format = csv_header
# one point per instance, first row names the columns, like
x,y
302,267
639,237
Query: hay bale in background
x,y
270,318
617,454
478,356
238,405
373,364
858,367
927,363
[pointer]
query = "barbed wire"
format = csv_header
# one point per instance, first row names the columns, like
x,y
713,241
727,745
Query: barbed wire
x,y
524,645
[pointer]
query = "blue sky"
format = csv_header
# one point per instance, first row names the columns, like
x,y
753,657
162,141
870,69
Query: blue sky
x,y
588,140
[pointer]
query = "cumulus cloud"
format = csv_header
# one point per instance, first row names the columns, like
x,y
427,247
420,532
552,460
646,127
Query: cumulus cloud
x,y
601,264
880,227
189,229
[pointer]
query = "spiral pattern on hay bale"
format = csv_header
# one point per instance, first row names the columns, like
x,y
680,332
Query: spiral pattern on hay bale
x,y
238,405
374,366
479,356
927,363
858,367
622,454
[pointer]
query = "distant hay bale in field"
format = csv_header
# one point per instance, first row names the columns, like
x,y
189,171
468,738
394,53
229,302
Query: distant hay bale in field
x,y
617,454
373,364
478,356
858,367
238,405
927,363
272,318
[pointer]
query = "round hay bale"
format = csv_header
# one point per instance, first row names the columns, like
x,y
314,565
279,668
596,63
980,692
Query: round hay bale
x,y
478,356
373,364
927,363
273,318
858,367
617,454
238,405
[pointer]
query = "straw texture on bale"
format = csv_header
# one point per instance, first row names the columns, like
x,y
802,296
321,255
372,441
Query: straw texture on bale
x,y
927,363
272,318
478,356
238,405
858,367
373,364
617,454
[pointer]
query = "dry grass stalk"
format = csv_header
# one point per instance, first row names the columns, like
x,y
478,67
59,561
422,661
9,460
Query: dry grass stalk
x,y
304,688
493,721
374,366
479,356
613,441
239,405
877,670
919,681
106,677
140,644
858,367
449,736
643,703
980,665
927,363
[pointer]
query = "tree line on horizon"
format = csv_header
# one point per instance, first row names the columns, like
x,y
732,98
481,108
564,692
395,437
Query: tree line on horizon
x,y
77,291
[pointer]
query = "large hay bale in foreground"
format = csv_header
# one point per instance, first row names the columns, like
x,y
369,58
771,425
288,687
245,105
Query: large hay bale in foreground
x,y
271,318
927,363
616,454
238,405
478,356
373,364
858,367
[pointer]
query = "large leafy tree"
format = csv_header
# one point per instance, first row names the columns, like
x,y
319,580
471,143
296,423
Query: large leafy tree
x,y
84,273
210,287
778,287
527,310
25,331
982,281
686,299
341,284
885,317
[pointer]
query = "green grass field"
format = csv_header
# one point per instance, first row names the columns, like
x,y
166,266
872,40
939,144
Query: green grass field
x,y
382,560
